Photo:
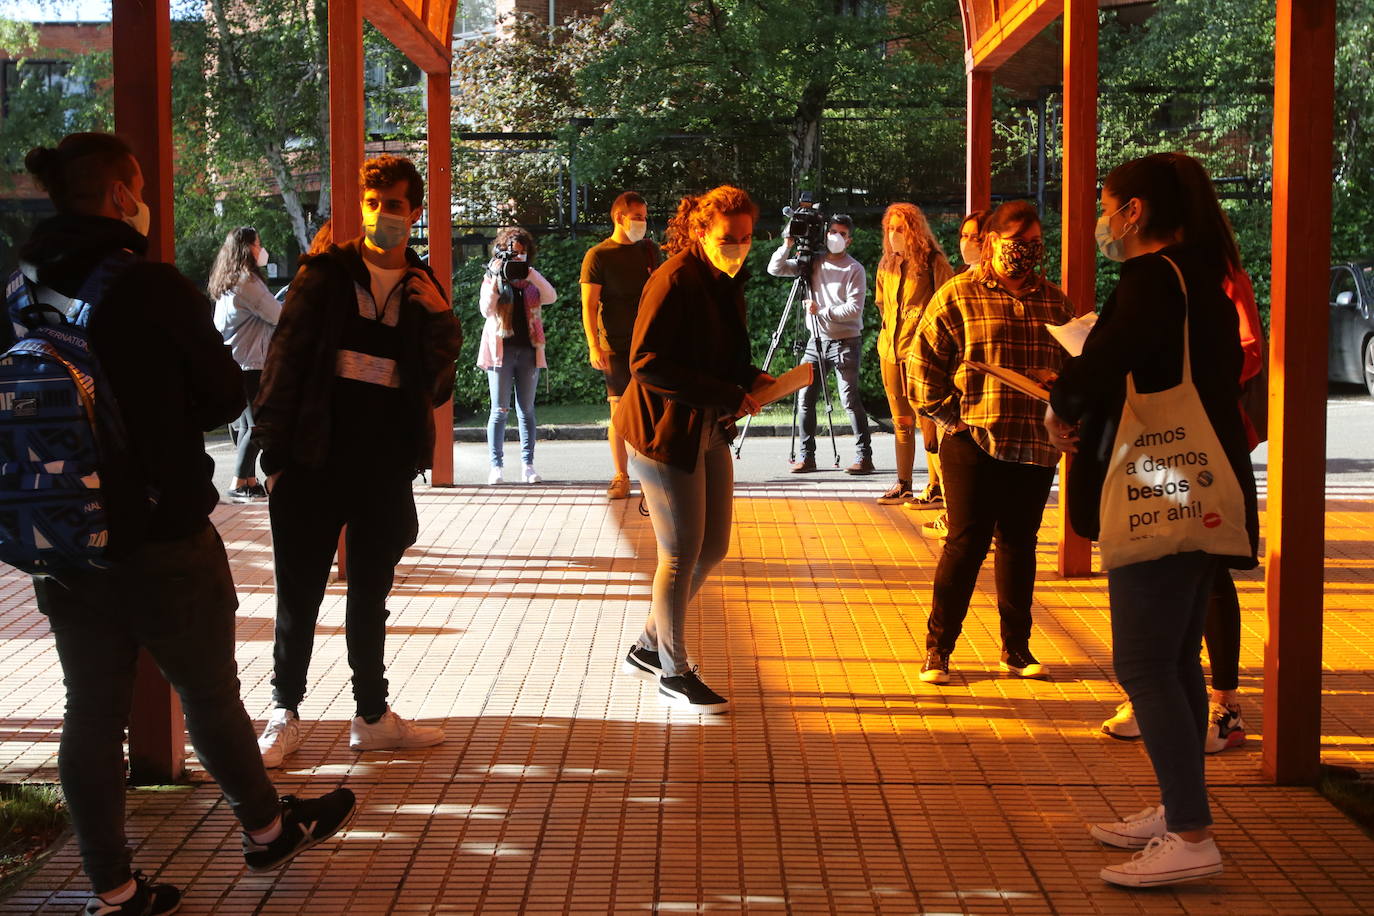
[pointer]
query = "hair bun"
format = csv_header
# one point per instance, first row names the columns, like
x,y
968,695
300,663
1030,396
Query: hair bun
x,y
40,161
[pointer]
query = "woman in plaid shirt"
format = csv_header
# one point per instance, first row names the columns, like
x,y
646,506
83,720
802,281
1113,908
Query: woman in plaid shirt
x,y
995,457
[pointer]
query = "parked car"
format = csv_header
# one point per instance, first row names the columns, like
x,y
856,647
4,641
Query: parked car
x,y
1351,354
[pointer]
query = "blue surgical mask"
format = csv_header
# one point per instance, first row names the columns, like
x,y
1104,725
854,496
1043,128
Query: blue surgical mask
x,y
1113,249
389,231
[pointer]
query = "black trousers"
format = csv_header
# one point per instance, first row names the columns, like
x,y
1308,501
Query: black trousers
x,y
986,500
309,507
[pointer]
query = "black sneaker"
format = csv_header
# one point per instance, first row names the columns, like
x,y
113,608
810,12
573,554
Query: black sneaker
x,y
304,823
148,900
247,494
936,668
642,663
688,690
1021,663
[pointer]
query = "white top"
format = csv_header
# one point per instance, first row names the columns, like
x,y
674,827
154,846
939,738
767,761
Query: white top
x,y
838,288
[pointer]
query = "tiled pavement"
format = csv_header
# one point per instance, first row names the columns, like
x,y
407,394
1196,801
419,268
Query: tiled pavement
x,y
839,783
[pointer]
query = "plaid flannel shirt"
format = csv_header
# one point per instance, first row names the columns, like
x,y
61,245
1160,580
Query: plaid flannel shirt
x,y
973,317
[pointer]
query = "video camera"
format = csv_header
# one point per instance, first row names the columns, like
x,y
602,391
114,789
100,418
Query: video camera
x,y
507,267
806,224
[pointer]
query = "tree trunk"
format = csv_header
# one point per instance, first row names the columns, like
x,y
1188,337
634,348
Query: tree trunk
x,y
320,19
805,139
290,196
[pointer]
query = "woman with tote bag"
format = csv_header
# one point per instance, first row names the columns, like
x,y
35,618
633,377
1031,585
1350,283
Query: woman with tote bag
x,y
1163,481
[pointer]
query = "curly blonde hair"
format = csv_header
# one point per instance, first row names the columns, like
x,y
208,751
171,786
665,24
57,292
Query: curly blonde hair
x,y
694,214
911,224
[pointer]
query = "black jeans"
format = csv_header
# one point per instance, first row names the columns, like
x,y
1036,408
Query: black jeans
x,y
241,430
177,600
309,507
985,499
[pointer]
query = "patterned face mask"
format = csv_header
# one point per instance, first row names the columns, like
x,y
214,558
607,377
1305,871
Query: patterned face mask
x,y
1014,258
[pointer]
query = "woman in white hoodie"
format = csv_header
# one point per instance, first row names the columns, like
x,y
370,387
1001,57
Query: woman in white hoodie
x,y
246,314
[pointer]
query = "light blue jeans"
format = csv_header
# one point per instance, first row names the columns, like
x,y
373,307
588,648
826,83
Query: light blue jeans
x,y
517,370
691,515
1158,611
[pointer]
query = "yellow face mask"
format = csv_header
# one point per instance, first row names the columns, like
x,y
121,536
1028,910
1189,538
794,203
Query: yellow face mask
x,y
727,258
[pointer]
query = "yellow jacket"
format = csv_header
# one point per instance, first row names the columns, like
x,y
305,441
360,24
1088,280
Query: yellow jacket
x,y
901,295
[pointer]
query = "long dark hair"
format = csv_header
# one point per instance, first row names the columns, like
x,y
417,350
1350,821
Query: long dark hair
x,y
234,261
1181,197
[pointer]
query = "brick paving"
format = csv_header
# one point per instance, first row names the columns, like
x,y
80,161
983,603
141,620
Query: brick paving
x,y
839,783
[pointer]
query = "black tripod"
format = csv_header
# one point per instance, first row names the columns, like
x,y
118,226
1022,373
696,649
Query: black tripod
x,y
801,288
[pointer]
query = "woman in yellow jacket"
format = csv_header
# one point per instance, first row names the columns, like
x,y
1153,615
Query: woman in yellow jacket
x,y
912,268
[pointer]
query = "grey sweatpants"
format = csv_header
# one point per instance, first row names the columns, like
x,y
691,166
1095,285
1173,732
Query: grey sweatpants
x,y
691,515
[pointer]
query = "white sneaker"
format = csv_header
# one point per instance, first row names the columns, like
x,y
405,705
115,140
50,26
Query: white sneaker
x,y
1122,724
282,736
390,733
1169,859
530,475
1135,832
497,475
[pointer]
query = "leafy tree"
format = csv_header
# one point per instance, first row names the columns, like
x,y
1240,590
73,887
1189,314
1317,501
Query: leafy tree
x,y
740,68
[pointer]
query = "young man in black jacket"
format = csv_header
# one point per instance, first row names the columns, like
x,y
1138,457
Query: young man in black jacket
x,y
170,590
364,352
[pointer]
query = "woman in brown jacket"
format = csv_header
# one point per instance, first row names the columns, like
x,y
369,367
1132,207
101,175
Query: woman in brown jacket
x,y
690,377
912,268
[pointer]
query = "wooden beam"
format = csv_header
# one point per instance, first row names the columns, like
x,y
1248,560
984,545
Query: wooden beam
x,y
398,22
978,170
1304,77
441,245
1010,31
1078,252
142,52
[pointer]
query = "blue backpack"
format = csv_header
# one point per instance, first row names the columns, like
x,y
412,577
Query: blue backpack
x,y
59,426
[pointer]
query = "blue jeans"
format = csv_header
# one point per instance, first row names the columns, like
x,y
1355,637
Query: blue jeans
x,y
1158,611
691,515
176,599
843,357
517,368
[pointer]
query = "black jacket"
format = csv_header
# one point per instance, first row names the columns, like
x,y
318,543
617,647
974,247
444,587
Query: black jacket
x,y
291,415
165,364
1140,331
689,354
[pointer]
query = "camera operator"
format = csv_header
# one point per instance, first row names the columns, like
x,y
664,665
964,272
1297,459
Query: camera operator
x,y
834,324
511,300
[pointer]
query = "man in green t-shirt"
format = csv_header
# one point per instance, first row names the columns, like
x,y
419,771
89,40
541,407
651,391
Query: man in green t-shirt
x,y
613,276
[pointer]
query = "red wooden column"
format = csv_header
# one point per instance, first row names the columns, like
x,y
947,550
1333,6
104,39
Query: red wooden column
x,y
143,116
345,137
345,115
1078,258
978,173
1304,74
441,245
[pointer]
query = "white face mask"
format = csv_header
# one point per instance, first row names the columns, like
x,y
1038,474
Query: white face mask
x,y
1113,249
971,252
388,231
728,258
635,229
262,257
836,242
897,243
141,219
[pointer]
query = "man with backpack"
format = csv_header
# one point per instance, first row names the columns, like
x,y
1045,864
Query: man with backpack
x,y
166,586
363,354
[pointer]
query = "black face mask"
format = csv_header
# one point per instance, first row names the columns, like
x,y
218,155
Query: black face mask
x,y
1015,259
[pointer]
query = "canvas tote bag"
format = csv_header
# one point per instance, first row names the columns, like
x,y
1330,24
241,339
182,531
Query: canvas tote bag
x,y
1169,486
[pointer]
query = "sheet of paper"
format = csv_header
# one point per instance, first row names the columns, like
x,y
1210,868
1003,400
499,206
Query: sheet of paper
x,y
1012,379
790,381
1072,335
